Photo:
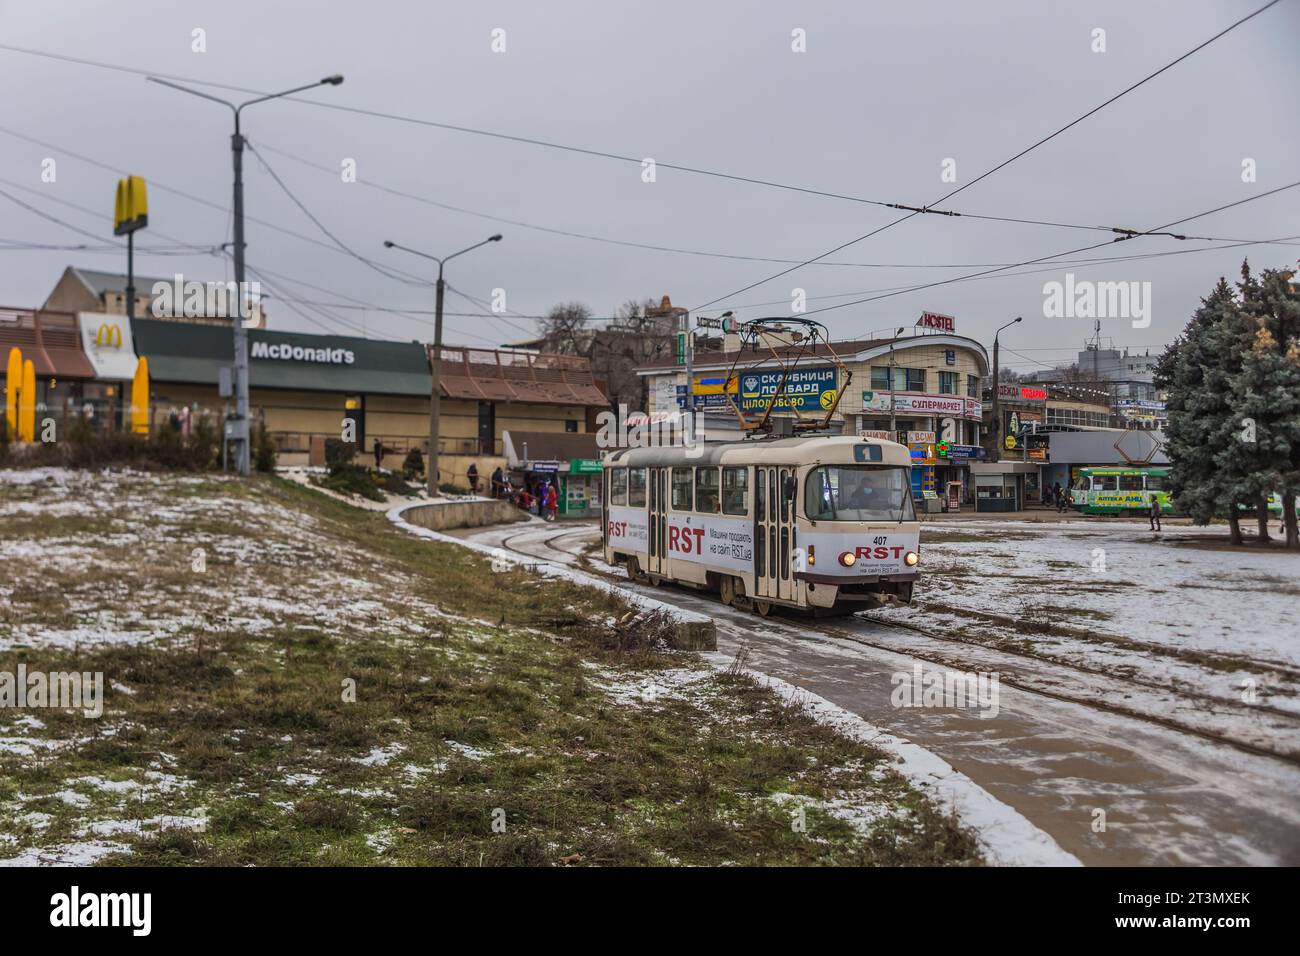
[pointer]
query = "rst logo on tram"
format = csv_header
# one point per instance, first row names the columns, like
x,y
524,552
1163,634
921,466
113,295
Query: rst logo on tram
x,y
879,552
685,540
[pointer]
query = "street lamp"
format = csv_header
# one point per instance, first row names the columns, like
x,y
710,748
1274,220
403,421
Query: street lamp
x,y
997,403
240,435
431,467
892,420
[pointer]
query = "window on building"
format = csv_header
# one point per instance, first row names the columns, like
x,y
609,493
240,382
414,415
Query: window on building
x,y
905,379
618,486
947,383
972,386
706,490
735,487
682,497
636,487
570,425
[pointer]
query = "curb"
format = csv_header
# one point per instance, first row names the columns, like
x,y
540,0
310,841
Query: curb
x,y
692,631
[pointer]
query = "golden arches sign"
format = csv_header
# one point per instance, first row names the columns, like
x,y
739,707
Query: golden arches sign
x,y
131,206
110,335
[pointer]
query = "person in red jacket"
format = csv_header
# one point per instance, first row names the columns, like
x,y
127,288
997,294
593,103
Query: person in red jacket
x,y
552,502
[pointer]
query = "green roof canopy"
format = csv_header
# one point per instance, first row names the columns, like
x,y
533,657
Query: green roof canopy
x,y
192,353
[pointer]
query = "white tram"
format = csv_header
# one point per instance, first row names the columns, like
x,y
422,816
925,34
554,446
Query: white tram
x,y
811,522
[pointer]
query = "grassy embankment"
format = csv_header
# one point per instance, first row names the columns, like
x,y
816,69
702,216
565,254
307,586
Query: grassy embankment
x,y
480,698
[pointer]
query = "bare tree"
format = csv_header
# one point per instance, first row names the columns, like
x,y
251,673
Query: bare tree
x,y
633,338
567,329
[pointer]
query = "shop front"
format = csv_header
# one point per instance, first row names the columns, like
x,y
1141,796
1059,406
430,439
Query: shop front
x,y
304,389
51,341
1002,486
570,462
580,489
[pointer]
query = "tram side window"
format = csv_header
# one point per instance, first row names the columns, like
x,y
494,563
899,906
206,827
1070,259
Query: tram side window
x,y
1130,482
682,479
758,499
735,491
706,490
618,486
1155,482
636,487
1105,483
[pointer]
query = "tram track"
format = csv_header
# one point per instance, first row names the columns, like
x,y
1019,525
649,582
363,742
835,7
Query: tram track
x,y
1026,680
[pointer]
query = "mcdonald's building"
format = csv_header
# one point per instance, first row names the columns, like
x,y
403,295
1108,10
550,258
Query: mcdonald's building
x,y
303,388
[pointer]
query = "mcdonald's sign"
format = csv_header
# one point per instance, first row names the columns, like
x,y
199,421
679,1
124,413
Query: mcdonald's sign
x,y
131,211
108,334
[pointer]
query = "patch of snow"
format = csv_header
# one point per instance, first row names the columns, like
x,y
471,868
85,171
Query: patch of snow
x,y
72,854
380,756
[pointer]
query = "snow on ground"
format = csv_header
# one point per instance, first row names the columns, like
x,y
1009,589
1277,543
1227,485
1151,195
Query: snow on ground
x,y
76,540
1178,609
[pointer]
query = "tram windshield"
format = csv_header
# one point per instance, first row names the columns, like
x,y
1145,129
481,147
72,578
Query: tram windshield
x,y
858,493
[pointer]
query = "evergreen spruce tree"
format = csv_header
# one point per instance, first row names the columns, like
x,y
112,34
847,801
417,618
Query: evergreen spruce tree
x,y
1268,394
1194,406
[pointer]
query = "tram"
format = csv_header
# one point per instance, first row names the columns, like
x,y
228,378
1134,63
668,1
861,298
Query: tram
x,y
1117,490
809,522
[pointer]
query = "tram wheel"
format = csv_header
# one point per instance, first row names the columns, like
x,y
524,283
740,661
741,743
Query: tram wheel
x,y
763,608
727,589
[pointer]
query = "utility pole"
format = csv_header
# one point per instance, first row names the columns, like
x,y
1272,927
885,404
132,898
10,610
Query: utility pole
x,y
239,433
997,390
893,421
435,363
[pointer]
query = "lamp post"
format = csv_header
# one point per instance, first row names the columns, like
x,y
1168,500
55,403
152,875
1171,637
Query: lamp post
x,y
893,424
997,403
435,396
240,431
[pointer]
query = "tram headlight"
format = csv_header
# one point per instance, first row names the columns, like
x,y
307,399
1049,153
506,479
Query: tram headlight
x,y
911,559
848,559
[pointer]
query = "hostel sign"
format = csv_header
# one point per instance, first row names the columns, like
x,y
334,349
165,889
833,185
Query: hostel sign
x,y
937,321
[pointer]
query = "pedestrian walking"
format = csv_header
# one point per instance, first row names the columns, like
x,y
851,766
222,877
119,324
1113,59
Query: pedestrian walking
x,y
496,483
472,475
379,453
1155,513
552,502
542,491
1056,495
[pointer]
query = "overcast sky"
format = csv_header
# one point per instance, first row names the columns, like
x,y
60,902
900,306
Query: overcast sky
x,y
884,93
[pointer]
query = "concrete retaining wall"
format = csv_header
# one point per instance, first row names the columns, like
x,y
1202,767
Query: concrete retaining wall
x,y
467,513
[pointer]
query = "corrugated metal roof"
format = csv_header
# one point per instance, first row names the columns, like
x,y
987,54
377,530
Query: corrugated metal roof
x,y
492,375
548,446
52,340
